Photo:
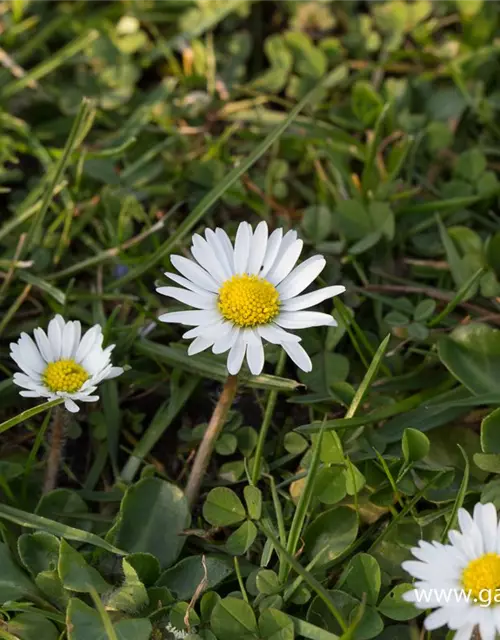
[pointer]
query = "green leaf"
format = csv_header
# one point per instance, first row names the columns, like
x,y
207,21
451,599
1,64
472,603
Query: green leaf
x,y
490,432
330,486
146,566
294,443
32,521
363,577
184,578
330,451
253,501
63,505
267,582
38,551
424,310
242,539
328,368
493,253
394,607
472,354
76,574
84,623
32,626
14,583
415,445
167,516
223,507
366,103
275,625
330,534
131,596
317,223
233,618
489,462
369,625
50,584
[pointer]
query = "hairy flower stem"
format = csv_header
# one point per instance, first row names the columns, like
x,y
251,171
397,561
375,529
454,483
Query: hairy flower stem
x,y
55,453
210,436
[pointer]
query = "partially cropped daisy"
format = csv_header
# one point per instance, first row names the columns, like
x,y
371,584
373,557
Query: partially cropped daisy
x,y
63,364
461,580
248,293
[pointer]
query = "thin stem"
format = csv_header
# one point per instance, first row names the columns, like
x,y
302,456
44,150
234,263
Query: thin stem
x,y
206,447
268,414
55,453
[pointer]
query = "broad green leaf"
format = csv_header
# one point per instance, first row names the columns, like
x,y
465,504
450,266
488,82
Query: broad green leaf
x,y
330,534
233,618
394,607
415,445
146,566
223,507
472,354
267,582
363,577
184,577
14,583
490,432
131,595
32,626
330,486
242,539
253,501
153,515
275,625
369,626
76,574
84,623
38,551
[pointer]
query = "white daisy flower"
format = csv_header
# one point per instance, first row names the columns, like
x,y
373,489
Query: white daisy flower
x,y
248,293
62,363
461,580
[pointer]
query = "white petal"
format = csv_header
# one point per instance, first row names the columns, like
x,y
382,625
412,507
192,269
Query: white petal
x,y
301,277
33,366
272,249
298,354
203,301
464,633
436,619
77,334
465,521
236,355
22,380
304,319
194,272
242,247
43,345
190,318
286,263
258,247
220,250
84,398
88,342
487,627
199,344
184,282
71,406
34,394
485,516
310,299
255,352
55,331
68,340
226,341
276,335
215,330
114,372
206,258
225,243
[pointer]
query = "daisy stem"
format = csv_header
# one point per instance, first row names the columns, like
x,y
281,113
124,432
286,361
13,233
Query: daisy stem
x,y
55,452
210,436
264,428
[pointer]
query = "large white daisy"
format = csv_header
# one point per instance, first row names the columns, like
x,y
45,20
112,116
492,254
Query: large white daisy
x,y
62,363
248,293
461,580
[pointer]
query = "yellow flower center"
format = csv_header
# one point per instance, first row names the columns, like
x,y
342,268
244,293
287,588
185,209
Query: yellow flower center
x,y
248,300
64,375
482,575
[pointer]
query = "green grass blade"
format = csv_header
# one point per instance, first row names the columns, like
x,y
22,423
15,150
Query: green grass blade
x,y
460,497
219,190
29,413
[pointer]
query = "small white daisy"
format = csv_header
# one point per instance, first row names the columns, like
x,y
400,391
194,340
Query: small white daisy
x,y
62,363
247,294
461,580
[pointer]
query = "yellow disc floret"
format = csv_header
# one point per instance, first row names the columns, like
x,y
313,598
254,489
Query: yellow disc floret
x,y
482,575
248,301
64,375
